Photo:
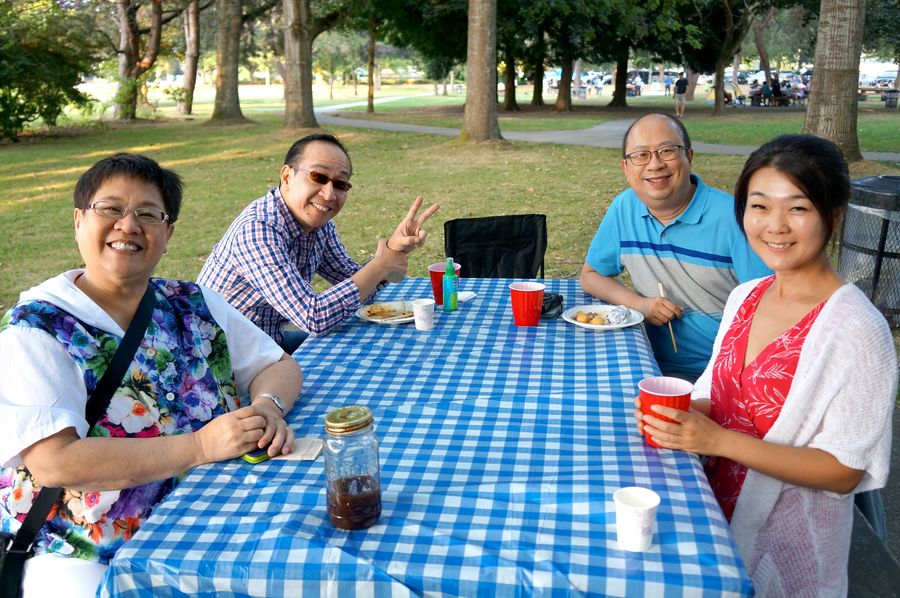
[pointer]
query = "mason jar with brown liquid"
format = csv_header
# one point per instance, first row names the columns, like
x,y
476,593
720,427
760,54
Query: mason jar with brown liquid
x,y
352,473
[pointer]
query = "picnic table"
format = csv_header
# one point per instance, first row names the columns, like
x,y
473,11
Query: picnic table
x,y
501,448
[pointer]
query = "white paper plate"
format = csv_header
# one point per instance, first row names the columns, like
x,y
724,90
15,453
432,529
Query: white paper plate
x,y
397,305
636,317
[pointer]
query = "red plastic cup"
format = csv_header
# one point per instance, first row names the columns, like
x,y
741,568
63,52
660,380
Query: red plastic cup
x,y
437,272
527,301
663,390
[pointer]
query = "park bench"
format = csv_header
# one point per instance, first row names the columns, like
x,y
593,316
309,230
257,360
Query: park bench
x,y
865,91
757,100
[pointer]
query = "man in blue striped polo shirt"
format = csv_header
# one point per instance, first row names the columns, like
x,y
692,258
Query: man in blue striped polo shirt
x,y
670,228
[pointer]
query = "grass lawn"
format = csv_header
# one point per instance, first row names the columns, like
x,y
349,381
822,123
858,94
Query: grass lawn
x,y
227,167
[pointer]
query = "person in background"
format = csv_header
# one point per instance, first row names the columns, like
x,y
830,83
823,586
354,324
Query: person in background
x,y
638,85
179,406
681,86
668,83
795,406
669,228
265,262
767,93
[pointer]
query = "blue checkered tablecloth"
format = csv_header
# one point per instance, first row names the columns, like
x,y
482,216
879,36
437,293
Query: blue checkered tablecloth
x,y
501,448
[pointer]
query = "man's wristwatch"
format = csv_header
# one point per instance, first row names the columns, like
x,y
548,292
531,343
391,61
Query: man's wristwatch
x,y
278,402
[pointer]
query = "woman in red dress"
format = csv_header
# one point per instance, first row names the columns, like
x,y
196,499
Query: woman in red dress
x,y
794,408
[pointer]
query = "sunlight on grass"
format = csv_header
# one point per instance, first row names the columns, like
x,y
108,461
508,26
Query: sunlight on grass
x,y
225,168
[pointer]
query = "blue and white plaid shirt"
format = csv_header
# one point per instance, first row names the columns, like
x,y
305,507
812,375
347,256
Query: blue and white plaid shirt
x,y
265,262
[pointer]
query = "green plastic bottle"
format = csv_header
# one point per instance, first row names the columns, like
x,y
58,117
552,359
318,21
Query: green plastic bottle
x,y
451,287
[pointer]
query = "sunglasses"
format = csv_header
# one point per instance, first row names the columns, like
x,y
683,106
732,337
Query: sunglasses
x,y
324,179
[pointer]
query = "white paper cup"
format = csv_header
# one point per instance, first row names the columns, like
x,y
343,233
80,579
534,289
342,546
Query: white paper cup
x,y
423,313
635,516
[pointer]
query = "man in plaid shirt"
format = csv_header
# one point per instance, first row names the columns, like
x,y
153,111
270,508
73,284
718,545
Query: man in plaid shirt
x,y
267,258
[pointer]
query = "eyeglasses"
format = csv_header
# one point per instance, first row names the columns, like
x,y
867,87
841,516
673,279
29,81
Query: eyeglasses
x,y
323,179
111,209
666,154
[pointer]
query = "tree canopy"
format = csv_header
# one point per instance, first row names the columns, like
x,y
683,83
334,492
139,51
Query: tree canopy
x,y
43,57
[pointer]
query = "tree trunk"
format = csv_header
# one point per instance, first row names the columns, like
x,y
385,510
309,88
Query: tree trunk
x,y
370,106
355,83
761,46
620,93
576,78
377,75
277,49
437,91
228,54
191,56
832,101
300,31
735,30
509,85
480,122
662,77
537,97
331,82
692,79
564,93
131,64
445,85
735,65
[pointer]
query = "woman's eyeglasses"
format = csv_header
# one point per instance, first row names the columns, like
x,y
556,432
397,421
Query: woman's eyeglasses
x,y
111,209
323,179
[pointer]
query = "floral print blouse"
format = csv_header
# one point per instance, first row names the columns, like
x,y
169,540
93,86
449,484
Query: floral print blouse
x,y
749,399
180,379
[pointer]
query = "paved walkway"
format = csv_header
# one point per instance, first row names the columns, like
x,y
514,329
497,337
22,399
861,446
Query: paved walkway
x,y
608,134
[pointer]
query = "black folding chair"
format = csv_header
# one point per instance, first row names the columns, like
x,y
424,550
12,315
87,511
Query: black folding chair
x,y
498,246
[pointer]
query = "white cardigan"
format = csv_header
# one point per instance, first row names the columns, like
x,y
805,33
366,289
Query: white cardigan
x,y
796,541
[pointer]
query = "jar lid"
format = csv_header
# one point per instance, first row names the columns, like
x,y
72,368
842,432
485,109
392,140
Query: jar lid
x,y
345,420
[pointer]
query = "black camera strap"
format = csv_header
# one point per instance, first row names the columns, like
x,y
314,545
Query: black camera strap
x,y
19,547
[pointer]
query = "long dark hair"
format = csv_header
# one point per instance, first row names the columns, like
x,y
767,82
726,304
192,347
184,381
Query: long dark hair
x,y
813,164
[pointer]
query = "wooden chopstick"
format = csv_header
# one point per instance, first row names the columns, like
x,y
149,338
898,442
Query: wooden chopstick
x,y
663,295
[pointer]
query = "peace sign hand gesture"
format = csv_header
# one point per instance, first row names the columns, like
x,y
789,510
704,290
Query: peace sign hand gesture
x,y
409,233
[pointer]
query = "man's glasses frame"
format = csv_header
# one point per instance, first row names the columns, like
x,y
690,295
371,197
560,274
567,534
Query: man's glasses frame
x,y
116,211
323,179
667,153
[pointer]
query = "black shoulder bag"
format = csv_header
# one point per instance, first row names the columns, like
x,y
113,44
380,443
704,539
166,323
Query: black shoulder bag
x,y
15,549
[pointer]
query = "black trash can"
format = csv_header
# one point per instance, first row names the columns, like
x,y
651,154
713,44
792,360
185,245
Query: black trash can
x,y
869,254
890,98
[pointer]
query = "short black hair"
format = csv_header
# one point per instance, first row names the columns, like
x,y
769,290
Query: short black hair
x,y
168,182
685,138
295,154
815,165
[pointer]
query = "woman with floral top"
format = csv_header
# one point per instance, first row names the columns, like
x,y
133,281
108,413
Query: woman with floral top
x,y
180,404
794,408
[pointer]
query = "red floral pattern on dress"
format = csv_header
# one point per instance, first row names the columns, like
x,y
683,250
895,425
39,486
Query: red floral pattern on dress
x,y
749,400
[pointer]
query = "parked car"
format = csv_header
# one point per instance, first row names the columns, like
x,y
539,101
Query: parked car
x,y
886,77
866,80
743,77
